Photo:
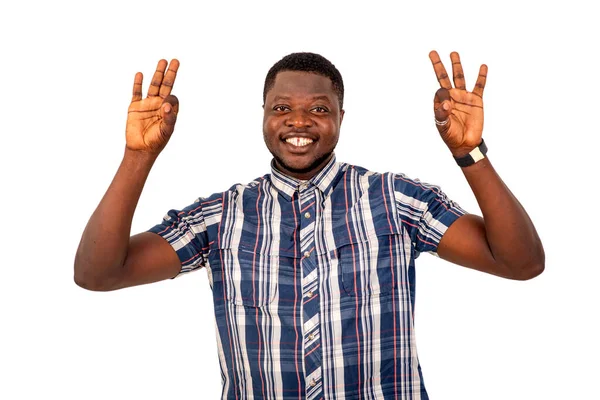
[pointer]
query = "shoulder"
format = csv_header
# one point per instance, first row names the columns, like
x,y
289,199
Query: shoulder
x,y
398,180
401,187
238,189
408,185
215,201
350,171
244,195
252,187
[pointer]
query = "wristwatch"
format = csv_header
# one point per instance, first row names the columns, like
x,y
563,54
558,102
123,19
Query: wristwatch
x,y
477,154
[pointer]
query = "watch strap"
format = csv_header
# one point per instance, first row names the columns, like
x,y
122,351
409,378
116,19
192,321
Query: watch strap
x,y
477,154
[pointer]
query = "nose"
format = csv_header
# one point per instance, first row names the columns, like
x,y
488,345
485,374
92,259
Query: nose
x,y
299,119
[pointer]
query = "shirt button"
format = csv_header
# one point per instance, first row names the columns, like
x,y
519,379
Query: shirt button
x,y
311,336
309,294
307,215
306,254
312,382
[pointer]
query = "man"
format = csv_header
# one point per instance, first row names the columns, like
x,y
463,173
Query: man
x,y
311,266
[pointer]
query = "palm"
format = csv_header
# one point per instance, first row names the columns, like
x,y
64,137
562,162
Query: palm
x,y
151,121
143,124
459,113
466,119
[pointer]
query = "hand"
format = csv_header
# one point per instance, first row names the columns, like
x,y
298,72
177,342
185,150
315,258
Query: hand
x,y
460,112
150,121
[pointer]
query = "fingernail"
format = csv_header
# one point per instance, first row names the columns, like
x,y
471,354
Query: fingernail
x,y
167,108
446,106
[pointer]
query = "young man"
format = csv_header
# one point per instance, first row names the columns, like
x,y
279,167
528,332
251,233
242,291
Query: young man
x,y
312,267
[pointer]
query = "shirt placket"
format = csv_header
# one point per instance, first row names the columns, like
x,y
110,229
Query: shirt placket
x,y
310,314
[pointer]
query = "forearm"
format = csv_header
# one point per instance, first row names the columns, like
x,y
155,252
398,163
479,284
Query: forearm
x,y
511,236
103,247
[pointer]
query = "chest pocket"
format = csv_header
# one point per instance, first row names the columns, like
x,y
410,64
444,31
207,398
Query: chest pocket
x,y
244,276
370,265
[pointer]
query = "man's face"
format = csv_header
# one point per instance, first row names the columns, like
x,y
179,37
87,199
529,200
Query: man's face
x,y
301,124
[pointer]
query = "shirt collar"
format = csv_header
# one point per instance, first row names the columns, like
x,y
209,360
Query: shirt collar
x,y
324,180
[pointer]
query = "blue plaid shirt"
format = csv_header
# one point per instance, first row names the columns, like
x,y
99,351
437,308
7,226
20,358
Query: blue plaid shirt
x,y
314,281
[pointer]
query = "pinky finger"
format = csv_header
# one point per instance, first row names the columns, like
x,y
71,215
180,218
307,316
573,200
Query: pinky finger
x,y
481,79
137,87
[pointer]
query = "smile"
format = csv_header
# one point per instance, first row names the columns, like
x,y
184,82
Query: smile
x,y
299,141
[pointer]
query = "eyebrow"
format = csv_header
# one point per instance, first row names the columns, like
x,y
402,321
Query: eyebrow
x,y
319,97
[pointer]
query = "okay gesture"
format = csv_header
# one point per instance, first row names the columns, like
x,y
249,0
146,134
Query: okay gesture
x,y
458,113
151,120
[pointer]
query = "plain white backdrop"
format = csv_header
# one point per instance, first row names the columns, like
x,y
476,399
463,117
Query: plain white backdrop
x,y
67,69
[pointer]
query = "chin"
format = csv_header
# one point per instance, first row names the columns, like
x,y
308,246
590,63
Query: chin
x,y
302,166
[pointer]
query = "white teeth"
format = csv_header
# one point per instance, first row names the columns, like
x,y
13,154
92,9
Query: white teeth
x,y
298,141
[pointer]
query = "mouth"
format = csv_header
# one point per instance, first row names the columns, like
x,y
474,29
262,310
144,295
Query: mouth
x,y
297,141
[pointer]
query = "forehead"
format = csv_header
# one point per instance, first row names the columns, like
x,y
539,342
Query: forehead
x,y
301,84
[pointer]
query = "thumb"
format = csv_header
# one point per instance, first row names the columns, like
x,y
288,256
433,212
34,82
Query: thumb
x,y
442,105
442,108
168,111
443,111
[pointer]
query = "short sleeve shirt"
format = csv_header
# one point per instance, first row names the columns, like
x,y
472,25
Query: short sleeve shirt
x,y
313,281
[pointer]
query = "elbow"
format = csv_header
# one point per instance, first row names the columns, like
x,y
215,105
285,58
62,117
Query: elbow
x,y
533,268
86,283
86,279
529,272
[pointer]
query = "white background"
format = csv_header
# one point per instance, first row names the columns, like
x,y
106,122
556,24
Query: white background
x,y
67,71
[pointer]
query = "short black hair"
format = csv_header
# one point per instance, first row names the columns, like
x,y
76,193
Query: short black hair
x,y
307,62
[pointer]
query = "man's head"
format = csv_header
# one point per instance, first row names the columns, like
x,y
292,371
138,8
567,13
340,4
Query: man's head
x,y
303,98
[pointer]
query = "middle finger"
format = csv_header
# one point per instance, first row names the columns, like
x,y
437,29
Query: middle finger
x,y
157,78
457,71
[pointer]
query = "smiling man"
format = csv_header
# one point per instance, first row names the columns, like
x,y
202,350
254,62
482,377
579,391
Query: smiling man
x,y
303,114
312,267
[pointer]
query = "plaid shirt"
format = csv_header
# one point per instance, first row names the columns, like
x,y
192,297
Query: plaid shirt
x,y
314,281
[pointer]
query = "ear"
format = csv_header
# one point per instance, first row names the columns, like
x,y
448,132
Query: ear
x,y
342,112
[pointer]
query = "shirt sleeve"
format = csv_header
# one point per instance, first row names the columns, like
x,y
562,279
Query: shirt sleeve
x,y
185,230
425,211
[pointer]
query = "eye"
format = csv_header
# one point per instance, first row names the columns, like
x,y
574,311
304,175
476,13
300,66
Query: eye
x,y
281,108
320,110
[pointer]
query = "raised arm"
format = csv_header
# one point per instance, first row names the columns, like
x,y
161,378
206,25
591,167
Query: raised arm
x,y
504,242
107,258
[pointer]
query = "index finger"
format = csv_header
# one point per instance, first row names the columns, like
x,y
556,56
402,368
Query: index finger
x,y
169,79
440,71
457,71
